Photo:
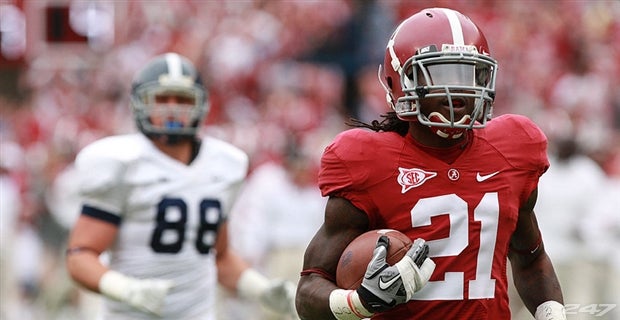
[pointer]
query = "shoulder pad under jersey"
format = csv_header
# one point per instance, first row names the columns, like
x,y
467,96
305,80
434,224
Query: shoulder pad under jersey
x,y
101,164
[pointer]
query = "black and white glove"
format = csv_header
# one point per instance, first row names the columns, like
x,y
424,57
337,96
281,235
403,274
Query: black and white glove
x,y
385,286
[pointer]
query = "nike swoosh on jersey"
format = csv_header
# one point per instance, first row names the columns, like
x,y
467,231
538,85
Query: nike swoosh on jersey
x,y
385,285
481,178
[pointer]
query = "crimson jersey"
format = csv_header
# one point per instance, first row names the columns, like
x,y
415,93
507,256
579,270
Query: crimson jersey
x,y
466,210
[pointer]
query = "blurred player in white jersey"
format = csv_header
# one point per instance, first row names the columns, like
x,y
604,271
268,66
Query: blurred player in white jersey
x,y
158,202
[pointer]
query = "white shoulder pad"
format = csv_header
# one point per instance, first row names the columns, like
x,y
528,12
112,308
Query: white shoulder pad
x,y
227,158
101,164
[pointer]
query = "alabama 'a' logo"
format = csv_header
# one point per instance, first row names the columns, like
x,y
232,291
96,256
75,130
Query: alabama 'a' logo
x,y
412,178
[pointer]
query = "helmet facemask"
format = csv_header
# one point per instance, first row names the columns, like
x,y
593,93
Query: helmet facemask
x,y
454,73
157,117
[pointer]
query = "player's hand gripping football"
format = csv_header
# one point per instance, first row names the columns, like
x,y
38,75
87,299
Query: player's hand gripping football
x,y
144,294
385,286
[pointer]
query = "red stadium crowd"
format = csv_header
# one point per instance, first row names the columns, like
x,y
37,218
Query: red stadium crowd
x,y
277,72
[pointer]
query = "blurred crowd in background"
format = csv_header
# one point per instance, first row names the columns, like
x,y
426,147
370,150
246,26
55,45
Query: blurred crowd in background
x,y
283,78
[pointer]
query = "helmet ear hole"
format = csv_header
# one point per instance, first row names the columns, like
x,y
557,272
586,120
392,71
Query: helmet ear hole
x,y
389,95
390,83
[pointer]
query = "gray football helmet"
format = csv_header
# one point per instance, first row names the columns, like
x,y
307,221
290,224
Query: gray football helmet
x,y
168,75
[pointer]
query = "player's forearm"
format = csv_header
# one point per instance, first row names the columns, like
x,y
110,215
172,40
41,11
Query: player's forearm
x,y
536,282
230,267
312,299
86,269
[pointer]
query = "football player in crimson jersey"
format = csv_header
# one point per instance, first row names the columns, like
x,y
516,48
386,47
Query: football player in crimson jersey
x,y
438,169
158,201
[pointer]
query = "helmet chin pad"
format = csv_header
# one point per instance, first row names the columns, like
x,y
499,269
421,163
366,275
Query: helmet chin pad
x,y
449,131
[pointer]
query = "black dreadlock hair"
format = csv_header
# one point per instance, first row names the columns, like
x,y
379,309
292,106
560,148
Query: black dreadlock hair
x,y
390,123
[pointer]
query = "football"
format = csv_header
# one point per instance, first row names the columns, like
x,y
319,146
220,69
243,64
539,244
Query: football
x,y
356,256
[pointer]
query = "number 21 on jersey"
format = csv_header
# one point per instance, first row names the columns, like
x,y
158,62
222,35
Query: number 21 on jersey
x,y
453,283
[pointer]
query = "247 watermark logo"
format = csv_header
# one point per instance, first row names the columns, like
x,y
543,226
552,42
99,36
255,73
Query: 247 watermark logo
x,y
595,309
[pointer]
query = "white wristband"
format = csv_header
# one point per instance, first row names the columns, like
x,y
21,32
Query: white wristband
x,y
550,310
252,284
346,305
115,285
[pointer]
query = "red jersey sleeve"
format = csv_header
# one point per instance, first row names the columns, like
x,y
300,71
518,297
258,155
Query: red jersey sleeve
x,y
350,164
523,144
343,164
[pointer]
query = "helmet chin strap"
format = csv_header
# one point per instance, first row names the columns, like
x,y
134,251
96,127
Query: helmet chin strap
x,y
448,132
